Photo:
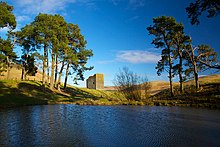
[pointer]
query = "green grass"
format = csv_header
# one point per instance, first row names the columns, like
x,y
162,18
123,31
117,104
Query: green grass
x,y
19,93
16,93
208,95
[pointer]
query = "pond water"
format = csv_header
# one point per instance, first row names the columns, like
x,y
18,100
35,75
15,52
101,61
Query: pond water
x,y
68,125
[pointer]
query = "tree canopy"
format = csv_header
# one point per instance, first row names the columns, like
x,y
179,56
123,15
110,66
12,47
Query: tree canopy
x,y
195,9
7,18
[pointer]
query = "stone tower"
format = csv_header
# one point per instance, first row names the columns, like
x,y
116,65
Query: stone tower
x,y
95,82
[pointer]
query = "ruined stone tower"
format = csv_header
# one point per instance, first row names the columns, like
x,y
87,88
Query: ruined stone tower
x,y
95,82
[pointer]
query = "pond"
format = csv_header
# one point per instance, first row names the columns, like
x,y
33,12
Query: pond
x,y
68,125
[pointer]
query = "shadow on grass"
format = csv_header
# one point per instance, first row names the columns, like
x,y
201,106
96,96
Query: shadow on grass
x,y
13,96
79,94
208,94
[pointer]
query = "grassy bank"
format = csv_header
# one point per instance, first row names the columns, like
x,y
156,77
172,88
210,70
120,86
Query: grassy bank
x,y
208,95
19,93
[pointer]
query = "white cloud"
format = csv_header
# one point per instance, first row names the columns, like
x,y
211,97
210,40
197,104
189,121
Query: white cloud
x,y
4,30
43,6
134,56
48,6
137,56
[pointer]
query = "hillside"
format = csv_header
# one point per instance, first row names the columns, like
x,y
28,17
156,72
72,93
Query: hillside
x,y
208,95
158,86
16,93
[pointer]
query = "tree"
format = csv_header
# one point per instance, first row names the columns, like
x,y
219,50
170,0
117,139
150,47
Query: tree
x,y
62,43
25,39
200,58
179,42
79,67
45,29
7,55
7,18
28,67
163,30
193,66
207,56
41,30
196,9
59,31
79,55
131,85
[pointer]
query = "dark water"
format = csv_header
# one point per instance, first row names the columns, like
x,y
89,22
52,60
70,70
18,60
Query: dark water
x,y
71,125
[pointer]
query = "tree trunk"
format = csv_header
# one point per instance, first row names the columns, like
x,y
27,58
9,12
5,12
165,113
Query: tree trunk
x,y
56,69
44,66
48,69
196,76
180,71
8,67
195,71
60,75
22,73
52,72
170,76
67,71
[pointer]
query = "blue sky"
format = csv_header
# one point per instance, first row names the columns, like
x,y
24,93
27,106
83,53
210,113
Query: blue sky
x,y
116,30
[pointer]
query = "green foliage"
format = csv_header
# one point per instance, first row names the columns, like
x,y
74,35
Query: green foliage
x,y
27,62
61,41
207,56
196,9
7,18
7,55
165,29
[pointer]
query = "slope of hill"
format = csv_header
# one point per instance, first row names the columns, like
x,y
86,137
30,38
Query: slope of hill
x,y
208,95
18,93
158,86
15,93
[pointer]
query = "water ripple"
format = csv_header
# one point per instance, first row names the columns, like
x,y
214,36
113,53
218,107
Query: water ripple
x,y
68,125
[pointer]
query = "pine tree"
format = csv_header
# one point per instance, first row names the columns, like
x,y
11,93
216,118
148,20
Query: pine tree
x,y
7,17
180,40
163,28
6,46
196,9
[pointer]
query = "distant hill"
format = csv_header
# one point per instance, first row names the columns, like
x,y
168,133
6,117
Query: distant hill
x,y
158,86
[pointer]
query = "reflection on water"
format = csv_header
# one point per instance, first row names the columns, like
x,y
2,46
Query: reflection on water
x,y
109,126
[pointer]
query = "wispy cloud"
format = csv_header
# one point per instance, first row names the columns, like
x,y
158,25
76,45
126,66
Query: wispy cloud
x,y
43,6
131,4
134,56
137,56
48,6
134,18
135,4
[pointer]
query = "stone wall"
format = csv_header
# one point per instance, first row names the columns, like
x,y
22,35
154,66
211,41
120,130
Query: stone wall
x,y
95,82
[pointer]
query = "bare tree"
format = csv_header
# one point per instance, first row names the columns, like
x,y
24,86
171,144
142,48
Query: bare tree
x,y
133,86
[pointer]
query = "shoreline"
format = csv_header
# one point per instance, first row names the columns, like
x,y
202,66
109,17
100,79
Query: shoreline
x,y
168,103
